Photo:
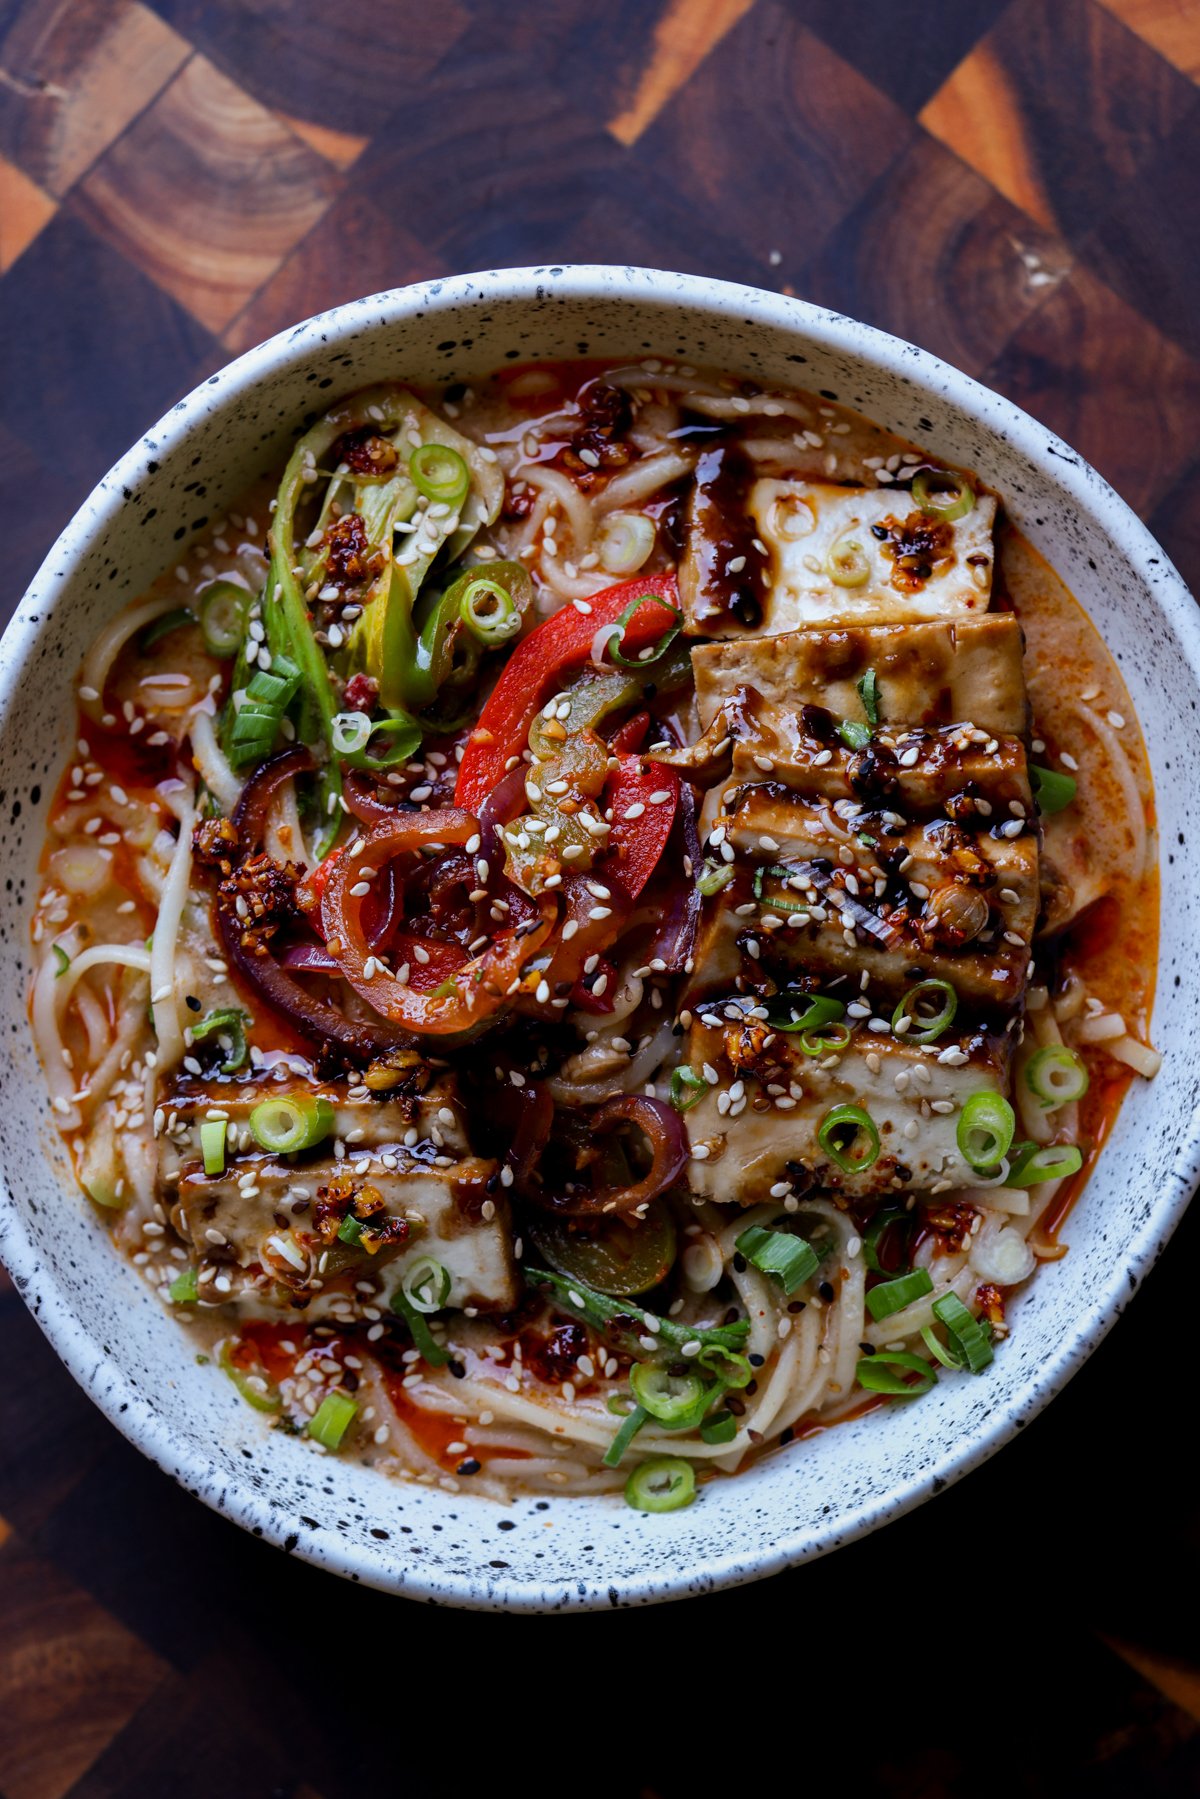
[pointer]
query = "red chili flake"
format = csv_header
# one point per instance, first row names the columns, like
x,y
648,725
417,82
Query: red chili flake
x,y
991,1303
362,693
350,561
553,1358
365,452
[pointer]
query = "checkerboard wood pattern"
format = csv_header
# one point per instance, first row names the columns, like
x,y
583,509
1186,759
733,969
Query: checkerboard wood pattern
x,y
1014,184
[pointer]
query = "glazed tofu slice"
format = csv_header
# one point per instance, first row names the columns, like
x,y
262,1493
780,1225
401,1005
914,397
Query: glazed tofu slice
x,y
859,895
434,1118
263,1214
756,1128
948,672
916,566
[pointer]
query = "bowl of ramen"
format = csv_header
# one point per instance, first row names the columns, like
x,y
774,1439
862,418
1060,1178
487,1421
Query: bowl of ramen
x,y
582,928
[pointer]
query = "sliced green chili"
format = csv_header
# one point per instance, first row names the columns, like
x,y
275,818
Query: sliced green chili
x,y
665,1483
228,1025
985,1129
223,609
695,1084
1056,1075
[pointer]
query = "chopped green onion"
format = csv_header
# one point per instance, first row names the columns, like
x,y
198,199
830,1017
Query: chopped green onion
x,y
733,1370
426,1285
1032,1164
848,564
1056,1075
488,612
440,474
779,872
687,1077
663,1484
952,498
868,693
350,1231
212,1145
62,958
351,732
268,695
223,609
1052,791
183,1290
655,651
422,1336
671,1398
939,1351
985,1129
854,735
292,1122
720,1428
838,1131
229,1023
163,627
818,1012
882,1221
332,1419
624,540
254,1389
624,1437
968,1338
401,727
714,878
929,1025
874,1373
624,1323
791,1259
894,1296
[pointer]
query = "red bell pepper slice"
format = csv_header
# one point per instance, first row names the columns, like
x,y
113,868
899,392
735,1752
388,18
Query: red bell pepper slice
x,y
632,734
444,960
538,667
635,845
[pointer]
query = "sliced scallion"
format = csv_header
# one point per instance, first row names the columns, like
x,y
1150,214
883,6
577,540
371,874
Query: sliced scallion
x,y
332,1419
351,732
671,1398
624,1437
212,1145
488,612
1034,1163
687,1088
183,1290
868,693
62,958
1056,1075
291,1122
854,735
1051,790
256,727
883,1220
790,1259
440,474
968,1338
720,1428
985,1129
875,1373
895,1295
423,1338
223,609
426,1285
654,651
714,878
840,1130
847,563
665,1483
942,493
776,871
930,1007
228,1025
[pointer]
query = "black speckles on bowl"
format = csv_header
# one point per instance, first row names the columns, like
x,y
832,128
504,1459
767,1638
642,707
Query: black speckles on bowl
x,y
573,1554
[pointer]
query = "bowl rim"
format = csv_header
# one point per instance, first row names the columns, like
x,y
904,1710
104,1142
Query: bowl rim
x,y
121,1401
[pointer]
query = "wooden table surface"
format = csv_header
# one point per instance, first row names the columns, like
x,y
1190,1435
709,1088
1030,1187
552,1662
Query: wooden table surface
x,y
1014,184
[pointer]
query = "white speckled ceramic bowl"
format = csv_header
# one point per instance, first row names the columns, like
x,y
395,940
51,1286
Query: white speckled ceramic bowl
x,y
563,1554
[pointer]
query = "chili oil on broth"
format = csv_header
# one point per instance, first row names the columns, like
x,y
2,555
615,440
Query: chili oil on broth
x,y
597,486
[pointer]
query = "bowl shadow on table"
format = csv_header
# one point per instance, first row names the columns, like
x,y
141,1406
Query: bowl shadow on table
x,y
964,1648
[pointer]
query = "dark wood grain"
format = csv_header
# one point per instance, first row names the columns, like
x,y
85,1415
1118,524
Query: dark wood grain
x,y
1012,183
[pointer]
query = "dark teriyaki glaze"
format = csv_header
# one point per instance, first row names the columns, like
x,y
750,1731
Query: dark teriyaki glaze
x,y
729,569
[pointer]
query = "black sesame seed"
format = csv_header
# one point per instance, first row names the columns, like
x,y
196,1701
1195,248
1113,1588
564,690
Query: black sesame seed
x,y
470,1466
